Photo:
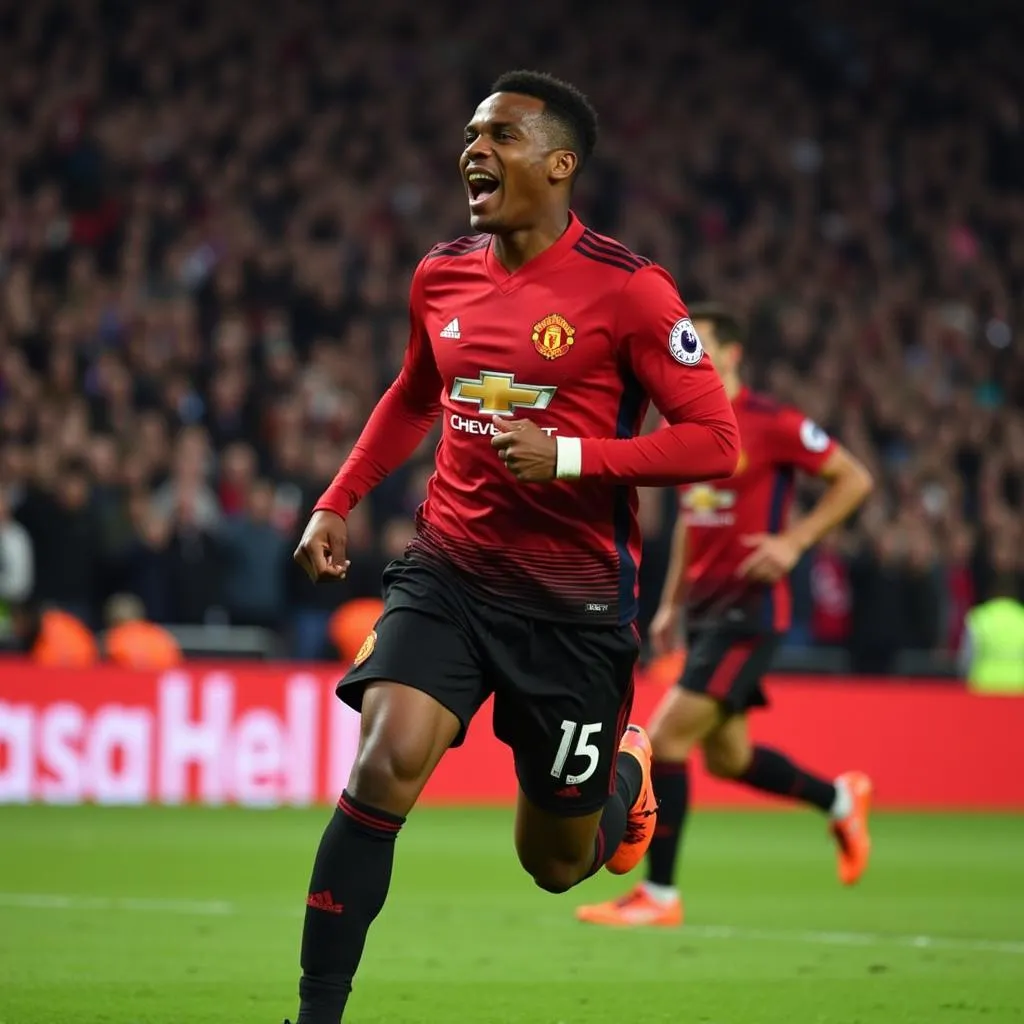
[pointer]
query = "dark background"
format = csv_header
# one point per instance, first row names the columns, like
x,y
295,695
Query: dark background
x,y
209,214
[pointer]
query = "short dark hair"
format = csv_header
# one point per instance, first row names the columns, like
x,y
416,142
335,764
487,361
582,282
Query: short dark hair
x,y
563,103
729,329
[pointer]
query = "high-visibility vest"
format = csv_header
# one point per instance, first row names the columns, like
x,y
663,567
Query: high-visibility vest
x,y
142,645
997,646
64,642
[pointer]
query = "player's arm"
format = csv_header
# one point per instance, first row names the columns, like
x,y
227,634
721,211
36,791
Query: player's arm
x,y
802,443
700,440
849,483
398,423
673,591
664,632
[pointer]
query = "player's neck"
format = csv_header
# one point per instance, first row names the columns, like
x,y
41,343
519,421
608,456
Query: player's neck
x,y
516,248
733,386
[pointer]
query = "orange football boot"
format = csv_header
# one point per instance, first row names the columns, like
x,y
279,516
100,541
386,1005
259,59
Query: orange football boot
x,y
851,833
637,909
643,815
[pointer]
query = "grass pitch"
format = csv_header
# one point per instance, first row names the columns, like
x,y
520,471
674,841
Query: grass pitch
x,y
189,916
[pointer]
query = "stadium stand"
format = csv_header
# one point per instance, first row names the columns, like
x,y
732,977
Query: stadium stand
x,y
209,215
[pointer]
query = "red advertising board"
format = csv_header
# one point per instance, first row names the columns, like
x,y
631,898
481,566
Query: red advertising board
x,y
269,735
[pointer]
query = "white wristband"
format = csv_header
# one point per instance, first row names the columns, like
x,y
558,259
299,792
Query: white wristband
x,y
568,458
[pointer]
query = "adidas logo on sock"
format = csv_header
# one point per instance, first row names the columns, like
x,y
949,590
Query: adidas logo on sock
x,y
324,901
452,330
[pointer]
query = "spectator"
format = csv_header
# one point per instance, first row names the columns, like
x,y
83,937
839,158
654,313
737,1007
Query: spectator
x,y
145,562
257,556
876,578
992,653
17,569
194,559
237,476
68,542
187,488
55,638
922,592
959,584
831,593
132,642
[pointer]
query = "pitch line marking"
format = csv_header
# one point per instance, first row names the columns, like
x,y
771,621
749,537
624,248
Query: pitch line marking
x,y
146,905
223,908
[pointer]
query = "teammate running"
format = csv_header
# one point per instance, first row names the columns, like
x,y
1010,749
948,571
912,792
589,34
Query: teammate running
x,y
732,553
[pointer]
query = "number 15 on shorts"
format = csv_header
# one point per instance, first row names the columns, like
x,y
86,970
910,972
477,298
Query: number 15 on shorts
x,y
584,748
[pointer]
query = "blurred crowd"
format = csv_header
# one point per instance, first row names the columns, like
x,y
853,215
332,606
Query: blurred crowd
x,y
209,214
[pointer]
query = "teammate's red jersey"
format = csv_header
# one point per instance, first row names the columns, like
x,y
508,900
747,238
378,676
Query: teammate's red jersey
x,y
579,340
775,441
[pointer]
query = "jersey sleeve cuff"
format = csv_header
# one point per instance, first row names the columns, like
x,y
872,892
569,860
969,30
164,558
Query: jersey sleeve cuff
x,y
335,499
568,458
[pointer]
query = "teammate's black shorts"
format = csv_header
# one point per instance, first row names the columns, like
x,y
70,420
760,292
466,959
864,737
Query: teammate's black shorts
x,y
562,692
727,662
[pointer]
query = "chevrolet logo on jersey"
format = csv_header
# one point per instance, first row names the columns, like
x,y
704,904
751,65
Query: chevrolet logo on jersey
x,y
497,394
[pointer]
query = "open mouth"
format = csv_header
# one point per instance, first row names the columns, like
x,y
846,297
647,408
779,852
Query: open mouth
x,y
482,186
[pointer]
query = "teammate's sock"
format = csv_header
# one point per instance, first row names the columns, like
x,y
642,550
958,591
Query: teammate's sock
x,y
842,806
672,788
351,875
663,894
775,773
629,777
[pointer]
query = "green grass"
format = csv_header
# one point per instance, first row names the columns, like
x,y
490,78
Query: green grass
x,y
467,938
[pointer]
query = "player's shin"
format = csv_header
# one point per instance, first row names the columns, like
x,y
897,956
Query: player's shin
x,y
612,829
347,890
672,789
773,772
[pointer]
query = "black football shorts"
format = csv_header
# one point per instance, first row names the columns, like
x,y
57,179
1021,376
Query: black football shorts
x,y
727,663
562,692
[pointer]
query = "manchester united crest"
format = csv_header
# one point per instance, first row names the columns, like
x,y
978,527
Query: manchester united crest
x,y
553,336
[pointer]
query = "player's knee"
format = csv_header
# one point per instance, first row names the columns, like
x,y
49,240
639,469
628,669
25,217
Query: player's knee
x,y
387,768
556,876
668,743
672,737
551,872
725,762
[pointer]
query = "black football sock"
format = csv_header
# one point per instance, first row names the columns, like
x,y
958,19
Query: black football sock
x,y
672,789
350,880
629,777
775,773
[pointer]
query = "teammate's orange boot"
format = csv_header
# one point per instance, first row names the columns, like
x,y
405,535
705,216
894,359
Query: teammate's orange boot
x,y
637,909
643,815
851,833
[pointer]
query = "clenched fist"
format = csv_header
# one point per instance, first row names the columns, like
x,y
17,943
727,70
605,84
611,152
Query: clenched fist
x,y
321,552
529,454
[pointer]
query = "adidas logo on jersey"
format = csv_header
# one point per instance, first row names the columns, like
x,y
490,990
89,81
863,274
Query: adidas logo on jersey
x,y
452,330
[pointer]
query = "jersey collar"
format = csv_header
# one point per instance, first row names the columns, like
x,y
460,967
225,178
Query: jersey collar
x,y
540,264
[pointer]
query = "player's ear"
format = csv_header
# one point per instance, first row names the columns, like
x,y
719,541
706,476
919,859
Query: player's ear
x,y
563,165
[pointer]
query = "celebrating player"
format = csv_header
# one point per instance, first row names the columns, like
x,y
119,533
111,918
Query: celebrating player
x,y
731,556
540,344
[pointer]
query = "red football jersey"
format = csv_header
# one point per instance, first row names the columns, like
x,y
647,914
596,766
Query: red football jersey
x,y
579,340
775,441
